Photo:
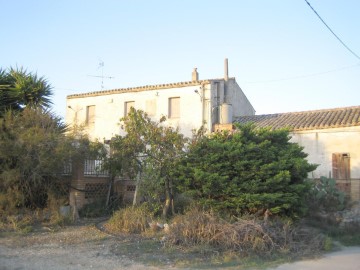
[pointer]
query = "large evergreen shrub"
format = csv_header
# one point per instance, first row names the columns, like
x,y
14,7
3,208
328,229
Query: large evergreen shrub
x,y
247,172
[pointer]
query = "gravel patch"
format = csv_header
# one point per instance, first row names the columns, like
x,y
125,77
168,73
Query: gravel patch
x,y
76,247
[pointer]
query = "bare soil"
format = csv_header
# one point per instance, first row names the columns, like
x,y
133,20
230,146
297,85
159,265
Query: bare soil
x,y
75,247
86,247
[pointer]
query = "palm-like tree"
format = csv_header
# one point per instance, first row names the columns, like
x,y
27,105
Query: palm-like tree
x,y
20,89
5,85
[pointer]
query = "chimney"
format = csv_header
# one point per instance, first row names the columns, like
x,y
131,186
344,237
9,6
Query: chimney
x,y
195,75
226,70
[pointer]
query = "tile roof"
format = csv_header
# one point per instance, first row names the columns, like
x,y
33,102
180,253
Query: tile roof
x,y
307,120
144,88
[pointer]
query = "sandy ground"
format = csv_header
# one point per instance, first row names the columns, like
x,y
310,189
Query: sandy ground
x,y
346,259
73,248
85,247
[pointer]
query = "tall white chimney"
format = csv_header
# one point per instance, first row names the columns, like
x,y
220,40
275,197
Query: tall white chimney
x,y
226,70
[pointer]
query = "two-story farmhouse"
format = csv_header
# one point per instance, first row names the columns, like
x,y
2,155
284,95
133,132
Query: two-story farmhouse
x,y
329,137
187,105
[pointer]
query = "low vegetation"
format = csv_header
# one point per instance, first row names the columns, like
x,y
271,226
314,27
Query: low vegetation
x,y
206,232
246,236
130,220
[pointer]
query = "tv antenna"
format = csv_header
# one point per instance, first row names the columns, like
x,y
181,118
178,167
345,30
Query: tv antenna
x,y
101,65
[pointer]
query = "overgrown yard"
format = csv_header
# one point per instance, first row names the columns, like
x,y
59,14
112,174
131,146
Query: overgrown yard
x,y
86,247
228,200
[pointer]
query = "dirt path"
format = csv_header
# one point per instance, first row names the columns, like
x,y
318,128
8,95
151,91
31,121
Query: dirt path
x,y
346,259
85,247
82,247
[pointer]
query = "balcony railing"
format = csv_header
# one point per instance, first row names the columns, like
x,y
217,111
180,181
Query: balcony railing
x,y
95,167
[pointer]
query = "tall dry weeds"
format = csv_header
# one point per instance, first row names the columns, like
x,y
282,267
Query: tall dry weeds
x,y
245,236
129,220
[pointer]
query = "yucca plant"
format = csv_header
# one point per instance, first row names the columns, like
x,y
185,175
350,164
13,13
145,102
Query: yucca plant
x,y
20,88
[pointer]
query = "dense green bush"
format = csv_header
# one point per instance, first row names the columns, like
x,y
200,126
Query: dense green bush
x,y
246,172
33,151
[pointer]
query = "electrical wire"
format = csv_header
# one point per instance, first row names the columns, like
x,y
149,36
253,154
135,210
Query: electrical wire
x,y
304,76
353,53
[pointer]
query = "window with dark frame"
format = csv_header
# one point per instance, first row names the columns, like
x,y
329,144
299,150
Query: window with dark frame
x,y
174,107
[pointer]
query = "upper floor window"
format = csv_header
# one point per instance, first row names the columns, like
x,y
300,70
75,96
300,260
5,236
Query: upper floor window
x,y
151,107
128,106
174,107
90,115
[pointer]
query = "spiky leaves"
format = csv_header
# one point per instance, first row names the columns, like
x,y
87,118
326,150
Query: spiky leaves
x,y
20,89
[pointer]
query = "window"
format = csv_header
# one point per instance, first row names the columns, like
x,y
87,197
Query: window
x,y
151,107
90,115
341,166
174,107
127,107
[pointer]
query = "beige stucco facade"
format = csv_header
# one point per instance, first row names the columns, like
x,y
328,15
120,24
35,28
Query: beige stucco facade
x,y
199,102
321,144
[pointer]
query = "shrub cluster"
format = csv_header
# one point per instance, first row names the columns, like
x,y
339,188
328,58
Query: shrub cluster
x,y
244,172
130,220
244,236
25,220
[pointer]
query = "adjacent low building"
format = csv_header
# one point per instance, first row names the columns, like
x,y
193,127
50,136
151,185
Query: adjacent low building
x,y
330,137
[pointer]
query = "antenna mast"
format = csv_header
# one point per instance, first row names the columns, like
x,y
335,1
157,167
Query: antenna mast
x,y
101,65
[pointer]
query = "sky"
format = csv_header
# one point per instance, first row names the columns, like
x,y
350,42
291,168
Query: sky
x,y
282,56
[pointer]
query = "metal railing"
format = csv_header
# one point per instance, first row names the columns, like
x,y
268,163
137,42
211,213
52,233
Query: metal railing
x,y
95,167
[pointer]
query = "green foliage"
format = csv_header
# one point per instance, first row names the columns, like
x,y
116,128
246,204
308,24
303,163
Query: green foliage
x,y
19,89
325,196
33,151
149,149
246,172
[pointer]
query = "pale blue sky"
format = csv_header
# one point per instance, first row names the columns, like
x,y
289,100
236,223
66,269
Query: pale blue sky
x,y
273,46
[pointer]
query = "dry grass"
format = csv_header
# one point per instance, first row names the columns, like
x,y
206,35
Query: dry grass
x,y
129,220
24,220
244,237
204,237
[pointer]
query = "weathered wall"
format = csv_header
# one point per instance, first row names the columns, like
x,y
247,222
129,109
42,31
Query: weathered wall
x,y
321,144
199,103
241,106
110,108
